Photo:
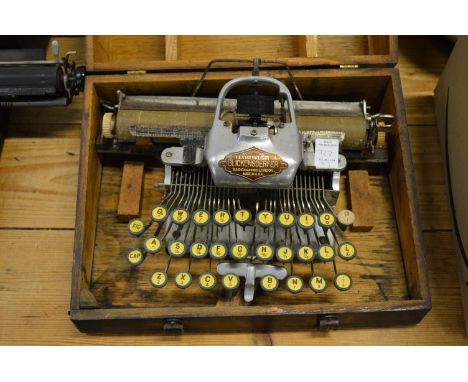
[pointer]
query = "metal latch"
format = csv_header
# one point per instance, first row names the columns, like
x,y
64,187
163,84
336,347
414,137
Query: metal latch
x,y
173,326
349,66
328,322
130,72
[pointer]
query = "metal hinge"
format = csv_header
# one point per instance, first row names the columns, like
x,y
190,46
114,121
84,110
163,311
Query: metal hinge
x,y
349,66
328,322
136,71
173,326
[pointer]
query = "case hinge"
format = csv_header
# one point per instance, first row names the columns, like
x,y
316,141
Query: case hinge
x,y
173,326
349,66
328,322
136,71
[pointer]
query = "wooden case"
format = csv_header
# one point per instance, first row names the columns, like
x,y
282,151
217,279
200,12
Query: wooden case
x,y
123,53
390,278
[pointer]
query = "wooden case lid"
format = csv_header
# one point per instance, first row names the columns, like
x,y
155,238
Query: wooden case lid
x,y
125,53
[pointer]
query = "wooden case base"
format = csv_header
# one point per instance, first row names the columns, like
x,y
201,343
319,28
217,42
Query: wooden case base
x,y
389,275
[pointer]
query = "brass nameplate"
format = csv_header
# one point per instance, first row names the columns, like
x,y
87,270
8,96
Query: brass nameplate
x,y
253,164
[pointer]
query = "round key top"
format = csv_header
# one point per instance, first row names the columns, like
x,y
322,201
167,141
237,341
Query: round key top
x,y
347,251
239,251
284,254
201,218
269,283
317,283
183,280
345,218
136,226
327,220
180,216
176,249
207,281
159,214
305,254
230,281
264,252
326,253
152,245
218,251
294,284
242,217
135,257
343,282
286,219
159,279
222,218
306,221
265,218
198,250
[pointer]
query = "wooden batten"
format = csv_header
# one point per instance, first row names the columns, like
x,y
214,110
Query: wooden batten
x,y
124,53
171,48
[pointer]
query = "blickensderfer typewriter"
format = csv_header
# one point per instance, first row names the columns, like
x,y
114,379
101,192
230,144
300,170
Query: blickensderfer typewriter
x,y
250,184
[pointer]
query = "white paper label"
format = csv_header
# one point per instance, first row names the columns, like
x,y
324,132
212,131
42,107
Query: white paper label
x,y
326,153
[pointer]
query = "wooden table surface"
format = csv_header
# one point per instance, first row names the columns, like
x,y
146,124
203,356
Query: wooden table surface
x,y
38,185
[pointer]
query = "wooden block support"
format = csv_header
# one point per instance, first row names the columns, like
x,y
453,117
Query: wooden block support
x,y
171,48
131,191
361,203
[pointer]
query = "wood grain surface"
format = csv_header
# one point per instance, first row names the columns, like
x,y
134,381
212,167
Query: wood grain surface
x,y
38,180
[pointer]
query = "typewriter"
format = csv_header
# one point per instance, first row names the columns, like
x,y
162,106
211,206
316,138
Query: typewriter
x,y
251,181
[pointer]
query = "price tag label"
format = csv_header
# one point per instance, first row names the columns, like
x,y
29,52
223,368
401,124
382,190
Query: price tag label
x,y
326,153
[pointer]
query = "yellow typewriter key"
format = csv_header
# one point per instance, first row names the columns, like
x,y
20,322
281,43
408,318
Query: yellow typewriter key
x,y
347,251
242,217
159,279
343,282
218,251
136,227
294,284
305,254
265,218
222,218
207,281
269,283
239,251
286,219
135,257
158,214
284,254
152,245
345,218
176,249
326,253
230,281
327,220
306,221
317,283
264,252
198,250
180,216
183,280
201,218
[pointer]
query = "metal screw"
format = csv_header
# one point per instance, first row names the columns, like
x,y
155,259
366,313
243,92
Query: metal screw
x,y
168,154
253,133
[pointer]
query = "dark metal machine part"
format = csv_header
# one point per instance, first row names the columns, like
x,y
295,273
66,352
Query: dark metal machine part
x,y
27,79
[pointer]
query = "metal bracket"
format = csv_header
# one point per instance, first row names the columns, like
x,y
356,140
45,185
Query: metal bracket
x,y
173,326
328,322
